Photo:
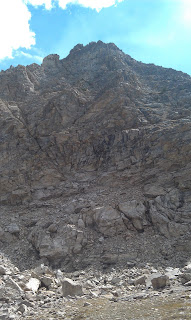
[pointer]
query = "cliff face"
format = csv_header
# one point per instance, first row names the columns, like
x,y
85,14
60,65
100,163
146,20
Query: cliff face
x,y
101,126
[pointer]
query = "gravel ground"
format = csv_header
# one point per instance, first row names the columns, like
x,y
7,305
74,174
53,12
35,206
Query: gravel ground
x,y
176,306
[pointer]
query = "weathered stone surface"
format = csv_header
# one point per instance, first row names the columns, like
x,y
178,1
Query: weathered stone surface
x,y
109,259
40,271
13,228
46,281
22,308
172,273
135,212
185,277
70,288
67,240
108,221
140,280
160,281
1,233
187,268
14,285
33,284
2,270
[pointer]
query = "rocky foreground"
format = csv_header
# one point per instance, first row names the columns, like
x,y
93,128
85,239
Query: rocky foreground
x,y
131,293
95,186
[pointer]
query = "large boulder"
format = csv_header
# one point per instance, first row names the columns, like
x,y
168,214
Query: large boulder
x,y
71,288
159,281
135,212
33,284
67,241
108,221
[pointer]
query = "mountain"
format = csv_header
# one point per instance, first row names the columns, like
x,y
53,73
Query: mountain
x,y
96,147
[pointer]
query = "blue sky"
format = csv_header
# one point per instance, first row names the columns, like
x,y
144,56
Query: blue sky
x,y
151,31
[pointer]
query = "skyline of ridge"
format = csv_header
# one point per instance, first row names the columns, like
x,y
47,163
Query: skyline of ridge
x,y
86,46
149,31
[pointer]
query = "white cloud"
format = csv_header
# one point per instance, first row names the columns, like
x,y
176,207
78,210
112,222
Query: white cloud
x,y
15,16
14,27
30,56
46,3
93,4
186,12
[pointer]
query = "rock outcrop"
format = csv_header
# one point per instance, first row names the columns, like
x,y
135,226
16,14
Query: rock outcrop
x,y
95,156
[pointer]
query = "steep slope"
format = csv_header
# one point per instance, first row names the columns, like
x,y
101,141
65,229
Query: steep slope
x,y
109,138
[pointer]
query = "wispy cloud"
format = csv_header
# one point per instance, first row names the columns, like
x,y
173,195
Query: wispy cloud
x,y
185,9
93,4
29,56
47,3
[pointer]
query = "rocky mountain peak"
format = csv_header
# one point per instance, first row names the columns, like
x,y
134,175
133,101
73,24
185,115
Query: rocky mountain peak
x,y
94,46
96,146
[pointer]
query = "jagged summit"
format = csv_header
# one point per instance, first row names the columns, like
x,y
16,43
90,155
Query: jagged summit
x,y
94,46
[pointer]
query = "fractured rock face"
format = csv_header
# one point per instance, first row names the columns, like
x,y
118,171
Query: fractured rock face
x,y
104,138
164,214
96,110
67,240
135,212
108,221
